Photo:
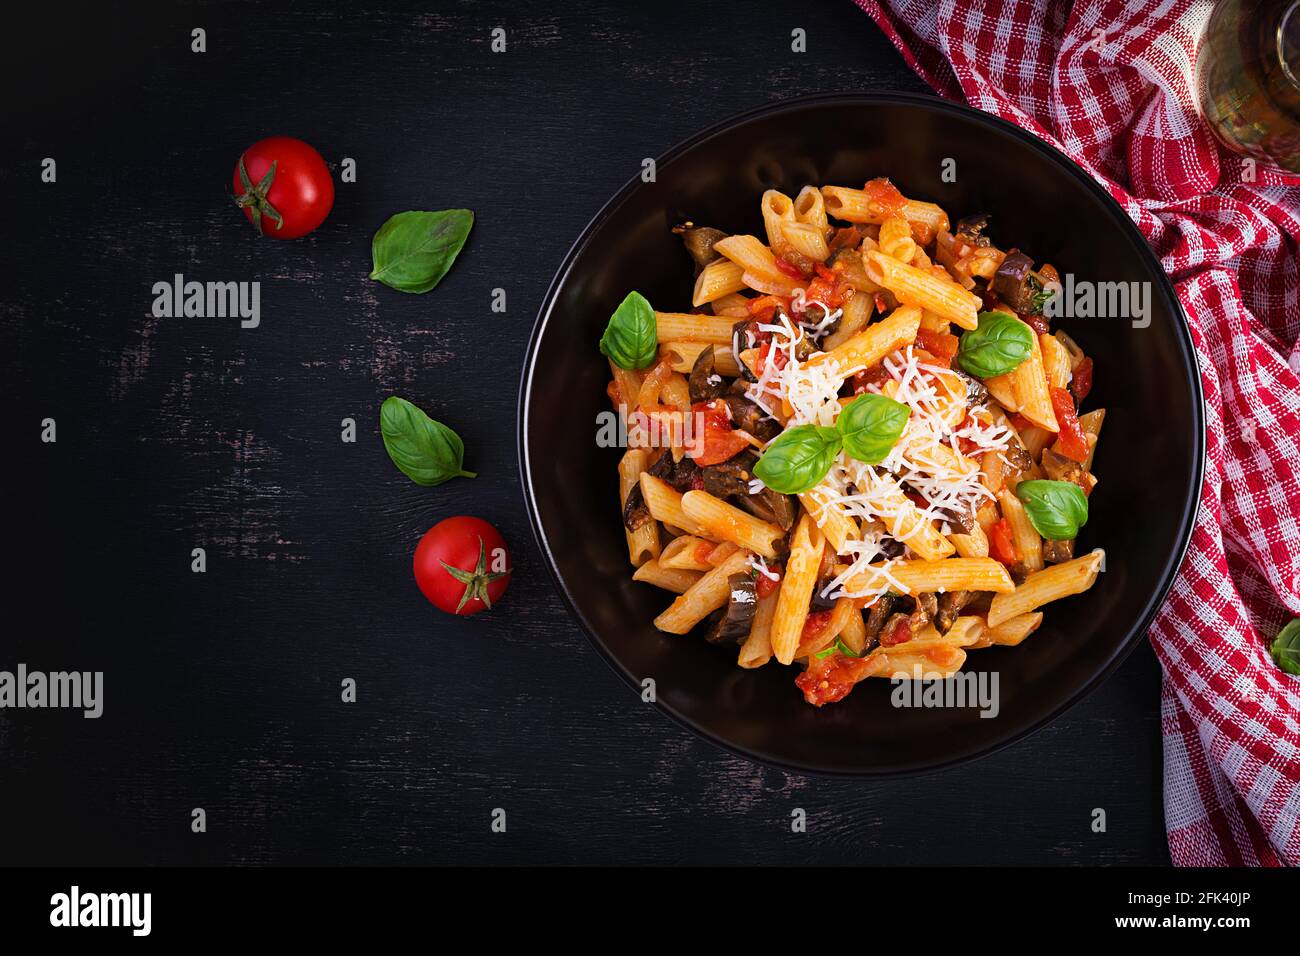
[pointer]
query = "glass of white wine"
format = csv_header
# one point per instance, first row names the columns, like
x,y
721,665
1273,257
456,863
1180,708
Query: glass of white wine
x,y
1248,79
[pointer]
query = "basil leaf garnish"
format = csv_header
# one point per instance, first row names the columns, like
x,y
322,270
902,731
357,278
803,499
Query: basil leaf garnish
x,y
414,250
839,647
426,451
870,426
631,338
1286,648
1056,509
997,346
798,458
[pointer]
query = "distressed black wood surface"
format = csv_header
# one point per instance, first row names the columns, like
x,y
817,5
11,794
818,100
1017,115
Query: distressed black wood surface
x,y
222,689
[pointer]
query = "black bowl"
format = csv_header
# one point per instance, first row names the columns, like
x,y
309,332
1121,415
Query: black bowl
x,y
1149,461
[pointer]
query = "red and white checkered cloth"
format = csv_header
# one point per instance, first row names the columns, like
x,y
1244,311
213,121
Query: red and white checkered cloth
x,y
1111,84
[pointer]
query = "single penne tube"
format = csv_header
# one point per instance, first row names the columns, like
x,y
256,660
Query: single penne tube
x,y
759,264
1042,587
838,527
920,666
778,211
810,208
853,319
757,649
851,205
703,597
1030,384
924,290
675,392
873,343
919,576
806,239
687,552
665,504
896,239
973,545
681,357
796,588
1028,541
854,633
720,277
725,522
643,543
1010,632
672,326
670,579
1056,360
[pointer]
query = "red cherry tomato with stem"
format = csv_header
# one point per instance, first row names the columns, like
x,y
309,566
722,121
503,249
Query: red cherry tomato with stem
x,y
462,565
284,187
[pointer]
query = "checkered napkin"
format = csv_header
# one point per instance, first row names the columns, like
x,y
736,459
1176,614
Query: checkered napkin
x,y
1111,85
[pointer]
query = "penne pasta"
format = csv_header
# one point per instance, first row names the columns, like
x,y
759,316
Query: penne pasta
x,y
757,649
724,522
1043,587
719,278
674,326
643,543
703,597
919,576
670,579
924,290
796,589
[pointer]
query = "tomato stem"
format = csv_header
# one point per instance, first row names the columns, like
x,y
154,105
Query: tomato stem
x,y
476,582
254,198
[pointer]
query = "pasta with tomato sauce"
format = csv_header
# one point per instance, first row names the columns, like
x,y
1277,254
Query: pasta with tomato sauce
x,y
862,453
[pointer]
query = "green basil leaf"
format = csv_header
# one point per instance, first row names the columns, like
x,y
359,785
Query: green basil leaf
x,y
798,458
839,647
426,451
997,346
414,250
1056,509
631,338
870,426
1286,648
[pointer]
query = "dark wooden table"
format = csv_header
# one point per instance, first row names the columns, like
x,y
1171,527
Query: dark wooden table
x,y
222,689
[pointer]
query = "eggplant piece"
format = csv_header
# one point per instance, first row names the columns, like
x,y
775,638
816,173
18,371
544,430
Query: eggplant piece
x,y
1058,552
699,242
747,415
962,521
977,392
970,229
733,626
876,617
729,480
1059,468
705,383
681,475
927,606
1011,282
950,605
742,338
635,512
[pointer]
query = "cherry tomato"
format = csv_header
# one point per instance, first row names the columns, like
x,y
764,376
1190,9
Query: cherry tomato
x,y
462,565
1081,384
942,345
830,678
1072,443
284,187
1002,545
720,440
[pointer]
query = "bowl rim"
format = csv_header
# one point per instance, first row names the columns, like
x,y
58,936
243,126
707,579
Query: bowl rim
x,y
1163,287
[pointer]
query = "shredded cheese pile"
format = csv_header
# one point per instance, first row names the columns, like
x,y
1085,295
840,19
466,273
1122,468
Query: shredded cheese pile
x,y
927,458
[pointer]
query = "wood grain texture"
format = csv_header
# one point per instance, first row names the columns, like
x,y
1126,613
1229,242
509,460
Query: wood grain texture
x,y
222,689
